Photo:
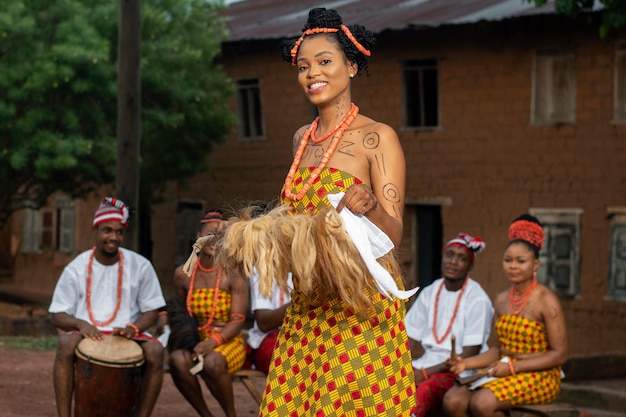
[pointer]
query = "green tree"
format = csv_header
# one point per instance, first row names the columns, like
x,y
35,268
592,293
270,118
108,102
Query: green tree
x,y
58,95
613,11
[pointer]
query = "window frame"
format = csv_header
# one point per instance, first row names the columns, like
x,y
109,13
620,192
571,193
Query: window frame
x,y
65,225
548,99
31,229
557,223
250,110
420,66
49,228
619,84
617,219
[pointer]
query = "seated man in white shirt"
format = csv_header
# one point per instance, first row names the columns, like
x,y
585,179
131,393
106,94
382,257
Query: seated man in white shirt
x,y
455,305
107,290
268,317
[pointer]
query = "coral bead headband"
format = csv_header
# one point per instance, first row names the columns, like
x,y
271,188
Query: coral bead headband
x,y
529,231
313,31
212,216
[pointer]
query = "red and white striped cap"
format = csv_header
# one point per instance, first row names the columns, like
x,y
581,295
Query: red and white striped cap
x,y
471,244
111,210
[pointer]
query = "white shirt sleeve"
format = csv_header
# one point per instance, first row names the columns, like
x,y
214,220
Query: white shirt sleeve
x,y
150,296
416,319
66,292
478,321
259,302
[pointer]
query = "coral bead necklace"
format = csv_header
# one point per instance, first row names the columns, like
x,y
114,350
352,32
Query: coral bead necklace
x,y
438,339
120,276
203,269
218,279
337,133
517,304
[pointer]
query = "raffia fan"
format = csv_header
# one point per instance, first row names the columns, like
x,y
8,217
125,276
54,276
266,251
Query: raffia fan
x,y
315,248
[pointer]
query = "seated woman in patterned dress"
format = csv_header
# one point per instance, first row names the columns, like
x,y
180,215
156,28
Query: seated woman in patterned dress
x,y
217,300
532,337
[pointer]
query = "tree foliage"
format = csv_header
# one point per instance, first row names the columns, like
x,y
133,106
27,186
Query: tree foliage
x,y
58,95
613,11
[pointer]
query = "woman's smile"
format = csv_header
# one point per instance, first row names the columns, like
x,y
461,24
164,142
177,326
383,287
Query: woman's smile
x,y
317,86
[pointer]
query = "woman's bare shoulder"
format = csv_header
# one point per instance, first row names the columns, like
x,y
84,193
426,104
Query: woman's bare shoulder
x,y
179,270
547,298
501,302
376,135
180,276
299,133
367,123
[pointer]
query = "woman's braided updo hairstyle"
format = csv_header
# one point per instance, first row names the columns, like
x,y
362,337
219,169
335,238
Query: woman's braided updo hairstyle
x,y
329,18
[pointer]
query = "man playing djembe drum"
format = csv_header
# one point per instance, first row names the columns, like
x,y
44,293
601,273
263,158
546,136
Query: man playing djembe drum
x,y
107,290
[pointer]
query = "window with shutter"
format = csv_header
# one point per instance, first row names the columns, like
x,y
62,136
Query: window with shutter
x,y
559,257
47,228
619,108
50,228
554,87
66,225
249,110
31,231
421,93
616,288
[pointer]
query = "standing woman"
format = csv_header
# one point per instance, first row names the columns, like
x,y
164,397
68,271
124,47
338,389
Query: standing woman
x,y
217,299
532,337
329,359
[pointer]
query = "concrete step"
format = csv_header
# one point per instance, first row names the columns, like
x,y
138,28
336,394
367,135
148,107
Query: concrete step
x,y
594,412
27,326
19,295
608,395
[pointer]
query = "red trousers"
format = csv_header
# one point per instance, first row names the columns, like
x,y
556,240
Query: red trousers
x,y
262,356
430,393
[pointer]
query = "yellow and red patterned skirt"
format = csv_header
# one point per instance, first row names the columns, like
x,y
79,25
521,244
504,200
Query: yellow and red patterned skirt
x,y
201,304
329,361
520,335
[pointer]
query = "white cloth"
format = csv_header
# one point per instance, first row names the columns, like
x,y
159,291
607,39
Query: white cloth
x,y
471,326
372,243
141,290
259,302
165,337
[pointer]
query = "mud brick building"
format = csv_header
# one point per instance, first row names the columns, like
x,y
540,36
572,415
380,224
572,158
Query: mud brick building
x,y
501,108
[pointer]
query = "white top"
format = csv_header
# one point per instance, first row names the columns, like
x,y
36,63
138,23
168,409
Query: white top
x,y
371,243
141,290
259,302
471,327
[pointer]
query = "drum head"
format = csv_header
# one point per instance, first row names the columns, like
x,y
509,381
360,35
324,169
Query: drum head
x,y
112,351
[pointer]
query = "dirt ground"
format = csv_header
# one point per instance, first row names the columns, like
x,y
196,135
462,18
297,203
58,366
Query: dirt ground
x,y
26,389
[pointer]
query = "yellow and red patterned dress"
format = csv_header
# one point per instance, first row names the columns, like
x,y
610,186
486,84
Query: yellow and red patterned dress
x,y
329,361
201,304
521,335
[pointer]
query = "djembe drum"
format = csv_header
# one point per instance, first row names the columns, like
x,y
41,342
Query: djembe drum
x,y
107,377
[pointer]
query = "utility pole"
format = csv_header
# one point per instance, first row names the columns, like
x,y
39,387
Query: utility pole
x,y
129,112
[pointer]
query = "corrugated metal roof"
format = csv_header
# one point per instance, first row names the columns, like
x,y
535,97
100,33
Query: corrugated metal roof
x,y
273,19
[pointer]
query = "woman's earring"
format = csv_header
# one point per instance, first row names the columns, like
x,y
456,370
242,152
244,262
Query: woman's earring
x,y
351,75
